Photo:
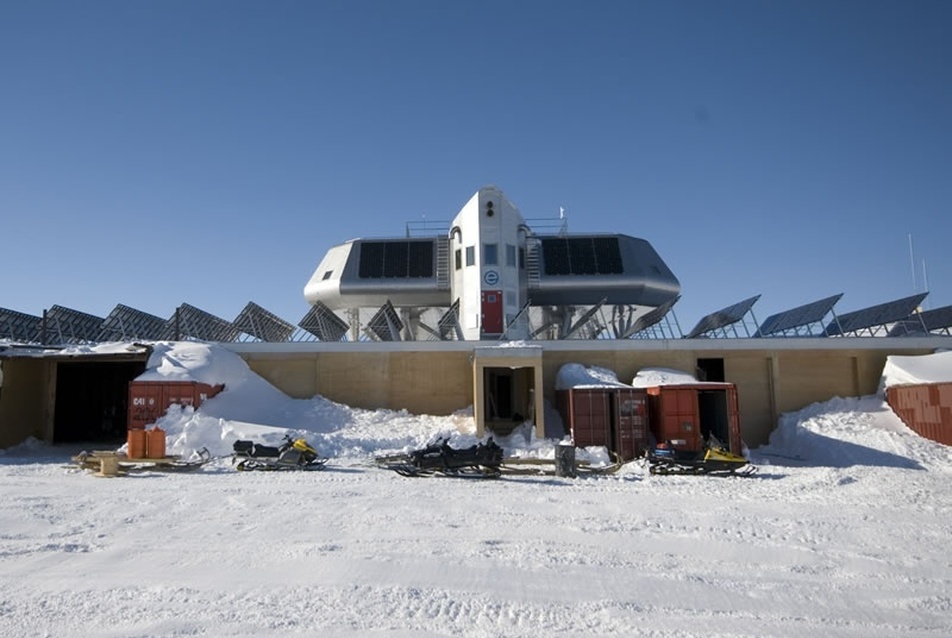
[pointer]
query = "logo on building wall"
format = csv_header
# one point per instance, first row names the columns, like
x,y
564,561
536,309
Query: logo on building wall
x,y
491,278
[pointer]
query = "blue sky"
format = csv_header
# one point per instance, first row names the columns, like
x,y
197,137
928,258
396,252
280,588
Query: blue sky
x,y
210,152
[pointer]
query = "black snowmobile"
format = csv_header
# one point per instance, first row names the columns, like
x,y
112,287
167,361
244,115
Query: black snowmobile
x,y
714,460
482,460
293,454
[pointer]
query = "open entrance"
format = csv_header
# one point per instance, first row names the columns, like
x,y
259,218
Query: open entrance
x,y
710,370
507,390
92,400
713,415
508,398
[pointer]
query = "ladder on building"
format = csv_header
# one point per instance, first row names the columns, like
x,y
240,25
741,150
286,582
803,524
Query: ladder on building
x,y
443,263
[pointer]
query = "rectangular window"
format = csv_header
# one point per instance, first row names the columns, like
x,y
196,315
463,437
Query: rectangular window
x,y
490,254
459,259
510,298
510,255
327,275
470,255
522,258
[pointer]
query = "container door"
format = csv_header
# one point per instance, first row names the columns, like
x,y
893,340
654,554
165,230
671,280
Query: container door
x,y
492,312
591,423
679,413
629,425
733,420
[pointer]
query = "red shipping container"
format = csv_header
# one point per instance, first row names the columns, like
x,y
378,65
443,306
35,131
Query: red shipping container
x,y
149,400
685,415
925,408
610,417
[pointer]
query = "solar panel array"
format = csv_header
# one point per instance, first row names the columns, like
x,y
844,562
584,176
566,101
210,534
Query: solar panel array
x,y
386,323
19,326
937,321
650,319
796,318
65,325
194,323
723,318
876,318
321,322
396,259
127,324
257,322
581,256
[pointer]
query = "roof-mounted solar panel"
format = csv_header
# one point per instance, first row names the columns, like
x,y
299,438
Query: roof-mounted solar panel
x,y
937,321
257,322
724,318
65,325
125,324
321,322
799,319
874,320
386,324
194,323
19,326
651,319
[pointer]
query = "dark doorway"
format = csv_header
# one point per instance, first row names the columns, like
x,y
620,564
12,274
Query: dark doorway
x,y
92,400
713,415
710,370
499,393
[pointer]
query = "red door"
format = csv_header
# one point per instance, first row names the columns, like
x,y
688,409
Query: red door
x,y
492,312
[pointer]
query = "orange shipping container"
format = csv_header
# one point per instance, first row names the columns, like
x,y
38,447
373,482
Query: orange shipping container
x,y
149,400
686,415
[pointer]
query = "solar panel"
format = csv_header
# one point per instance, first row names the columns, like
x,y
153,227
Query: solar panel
x,y
799,317
449,323
65,325
321,322
581,255
259,323
938,320
395,259
125,323
723,318
878,316
195,323
19,326
650,318
386,324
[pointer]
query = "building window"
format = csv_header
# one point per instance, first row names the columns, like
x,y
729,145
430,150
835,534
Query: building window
x,y
522,258
510,255
459,258
510,297
327,275
490,254
470,255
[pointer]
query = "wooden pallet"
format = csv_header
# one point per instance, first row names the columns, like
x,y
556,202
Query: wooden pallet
x,y
110,463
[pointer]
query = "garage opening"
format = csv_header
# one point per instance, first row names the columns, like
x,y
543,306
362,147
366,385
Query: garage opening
x,y
92,400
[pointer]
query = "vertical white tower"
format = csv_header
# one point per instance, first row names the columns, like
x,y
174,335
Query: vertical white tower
x,y
487,257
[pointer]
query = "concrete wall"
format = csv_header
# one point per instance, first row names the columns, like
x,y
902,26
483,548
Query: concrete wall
x,y
24,408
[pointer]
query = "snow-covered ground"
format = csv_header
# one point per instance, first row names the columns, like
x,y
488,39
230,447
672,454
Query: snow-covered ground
x,y
844,531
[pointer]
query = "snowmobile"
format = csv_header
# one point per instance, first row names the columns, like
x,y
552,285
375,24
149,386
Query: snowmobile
x,y
293,454
482,460
714,460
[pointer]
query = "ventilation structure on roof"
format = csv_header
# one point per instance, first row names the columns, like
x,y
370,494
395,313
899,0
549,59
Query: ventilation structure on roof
x,y
257,322
802,321
875,320
717,323
125,324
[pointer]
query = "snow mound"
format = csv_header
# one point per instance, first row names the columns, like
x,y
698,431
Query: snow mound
x,y
844,432
575,375
916,370
653,377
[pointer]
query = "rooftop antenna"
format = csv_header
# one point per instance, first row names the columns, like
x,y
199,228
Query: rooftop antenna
x,y
912,264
